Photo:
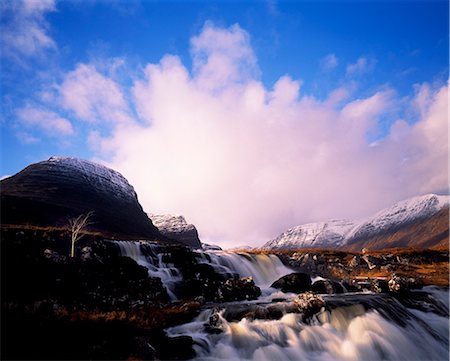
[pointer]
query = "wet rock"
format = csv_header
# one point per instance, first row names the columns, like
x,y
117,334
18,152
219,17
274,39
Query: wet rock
x,y
141,349
237,290
176,348
252,311
86,254
355,261
398,284
54,256
200,280
309,303
425,302
351,287
327,287
295,282
401,285
372,262
379,286
215,323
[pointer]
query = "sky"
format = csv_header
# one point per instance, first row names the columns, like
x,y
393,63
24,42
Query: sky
x,y
246,117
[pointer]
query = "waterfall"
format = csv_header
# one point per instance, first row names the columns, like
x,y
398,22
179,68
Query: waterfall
x,y
154,262
350,332
263,268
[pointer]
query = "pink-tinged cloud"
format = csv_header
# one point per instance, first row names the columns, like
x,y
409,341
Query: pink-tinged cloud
x,y
93,97
329,62
244,162
45,121
25,30
362,65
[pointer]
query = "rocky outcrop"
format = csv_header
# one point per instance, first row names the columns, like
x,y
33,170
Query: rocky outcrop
x,y
48,192
211,247
238,289
294,282
176,227
309,303
327,287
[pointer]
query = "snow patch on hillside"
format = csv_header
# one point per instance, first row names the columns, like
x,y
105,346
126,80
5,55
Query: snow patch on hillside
x,y
338,232
99,175
171,223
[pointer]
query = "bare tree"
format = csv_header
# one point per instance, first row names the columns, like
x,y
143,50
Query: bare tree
x,y
77,225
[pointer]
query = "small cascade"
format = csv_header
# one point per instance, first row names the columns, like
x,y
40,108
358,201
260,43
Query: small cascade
x,y
263,268
154,261
364,327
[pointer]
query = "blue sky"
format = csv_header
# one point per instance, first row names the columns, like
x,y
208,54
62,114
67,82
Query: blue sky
x,y
76,81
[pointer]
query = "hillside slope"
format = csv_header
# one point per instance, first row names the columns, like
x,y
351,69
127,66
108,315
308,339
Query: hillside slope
x,y
48,192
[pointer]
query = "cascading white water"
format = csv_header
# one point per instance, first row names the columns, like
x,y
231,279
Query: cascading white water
x,y
168,274
264,269
346,333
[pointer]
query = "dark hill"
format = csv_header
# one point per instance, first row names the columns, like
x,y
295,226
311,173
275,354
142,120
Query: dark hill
x,y
49,192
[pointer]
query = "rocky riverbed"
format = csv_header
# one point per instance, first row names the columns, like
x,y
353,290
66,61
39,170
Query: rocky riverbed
x,y
144,300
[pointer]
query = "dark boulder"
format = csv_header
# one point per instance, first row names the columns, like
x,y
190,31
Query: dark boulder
x,y
54,256
176,348
215,324
327,287
351,287
379,286
401,285
309,303
238,289
295,282
199,280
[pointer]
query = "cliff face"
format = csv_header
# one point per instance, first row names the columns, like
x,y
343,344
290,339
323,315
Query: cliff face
x,y
176,227
48,192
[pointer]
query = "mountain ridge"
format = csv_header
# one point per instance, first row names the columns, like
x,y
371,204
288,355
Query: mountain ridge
x,y
50,191
386,227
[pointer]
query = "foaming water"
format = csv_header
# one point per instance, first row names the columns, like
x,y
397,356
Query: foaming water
x,y
344,333
264,269
154,262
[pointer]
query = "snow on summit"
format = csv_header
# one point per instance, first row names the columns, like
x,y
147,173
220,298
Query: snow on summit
x,y
339,232
402,212
96,173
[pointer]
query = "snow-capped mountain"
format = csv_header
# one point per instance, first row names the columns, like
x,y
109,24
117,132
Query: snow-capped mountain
x,y
401,213
320,234
176,227
48,192
411,222
243,247
96,174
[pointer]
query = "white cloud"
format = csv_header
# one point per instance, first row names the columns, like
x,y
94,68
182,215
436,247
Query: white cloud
x,y
329,62
222,57
361,66
24,28
93,96
46,121
244,162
